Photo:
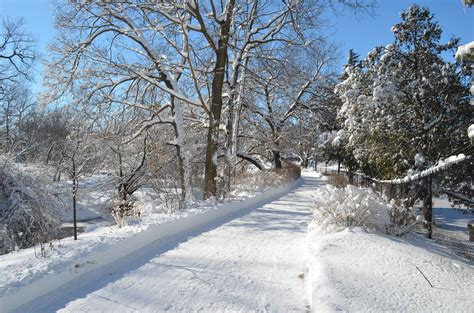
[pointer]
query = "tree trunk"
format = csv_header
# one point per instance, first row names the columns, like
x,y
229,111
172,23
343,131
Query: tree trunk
x,y
74,197
183,163
276,159
232,129
305,162
210,171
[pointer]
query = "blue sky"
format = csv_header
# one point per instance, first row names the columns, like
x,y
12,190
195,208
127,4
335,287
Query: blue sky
x,y
361,32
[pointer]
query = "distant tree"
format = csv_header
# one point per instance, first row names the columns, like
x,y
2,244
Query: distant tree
x,y
78,155
16,109
17,53
284,93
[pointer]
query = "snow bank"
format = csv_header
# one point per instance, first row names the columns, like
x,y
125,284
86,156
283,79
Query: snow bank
x,y
353,270
96,256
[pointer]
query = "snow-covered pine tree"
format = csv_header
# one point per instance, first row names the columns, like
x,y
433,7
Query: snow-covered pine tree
x,y
405,100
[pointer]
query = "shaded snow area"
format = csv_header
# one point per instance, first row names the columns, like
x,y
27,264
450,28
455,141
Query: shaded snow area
x,y
452,220
244,256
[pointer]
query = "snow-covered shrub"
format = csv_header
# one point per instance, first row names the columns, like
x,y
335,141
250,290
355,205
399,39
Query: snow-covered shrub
x,y
289,171
402,220
353,206
167,191
350,206
123,211
29,212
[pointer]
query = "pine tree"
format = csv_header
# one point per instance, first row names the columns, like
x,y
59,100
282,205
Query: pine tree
x,y
405,100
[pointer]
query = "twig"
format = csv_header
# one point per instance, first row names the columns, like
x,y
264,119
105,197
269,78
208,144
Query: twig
x,y
424,276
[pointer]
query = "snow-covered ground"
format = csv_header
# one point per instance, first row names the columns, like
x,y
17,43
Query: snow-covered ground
x,y
254,255
23,269
252,263
452,220
353,270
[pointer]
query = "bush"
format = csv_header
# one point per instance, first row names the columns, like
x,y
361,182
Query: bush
x,y
350,206
168,192
123,211
338,180
263,180
353,206
29,212
289,171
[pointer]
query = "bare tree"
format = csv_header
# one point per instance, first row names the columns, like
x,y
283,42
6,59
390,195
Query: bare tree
x,y
279,102
182,62
16,54
78,154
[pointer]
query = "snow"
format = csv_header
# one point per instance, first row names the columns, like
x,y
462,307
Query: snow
x,y
238,266
465,51
357,271
261,254
23,268
470,132
419,159
442,164
451,219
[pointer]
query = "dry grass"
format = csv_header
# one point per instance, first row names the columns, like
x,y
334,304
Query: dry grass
x,y
338,180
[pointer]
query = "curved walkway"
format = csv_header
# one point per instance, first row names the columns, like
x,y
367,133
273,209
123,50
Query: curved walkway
x,y
252,263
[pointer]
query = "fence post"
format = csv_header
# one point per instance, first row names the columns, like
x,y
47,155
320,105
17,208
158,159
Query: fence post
x,y
428,206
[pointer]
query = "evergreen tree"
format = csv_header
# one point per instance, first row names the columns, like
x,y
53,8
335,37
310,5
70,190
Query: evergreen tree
x,y
404,100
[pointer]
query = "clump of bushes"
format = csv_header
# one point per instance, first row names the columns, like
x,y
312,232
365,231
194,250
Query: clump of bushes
x,y
266,179
353,206
124,211
29,212
289,171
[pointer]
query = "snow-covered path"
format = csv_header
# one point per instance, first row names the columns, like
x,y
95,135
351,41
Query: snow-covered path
x,y
251,263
